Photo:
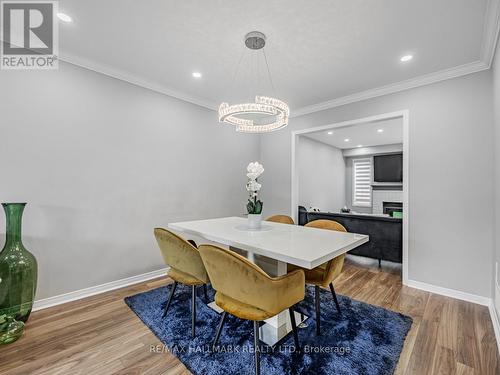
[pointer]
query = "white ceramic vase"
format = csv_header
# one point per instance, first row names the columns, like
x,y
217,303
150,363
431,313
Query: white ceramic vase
x,y
254,221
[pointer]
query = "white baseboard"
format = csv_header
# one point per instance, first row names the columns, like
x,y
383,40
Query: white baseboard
x,y
494,308
485,301
495,322
88,292
98,289
480,300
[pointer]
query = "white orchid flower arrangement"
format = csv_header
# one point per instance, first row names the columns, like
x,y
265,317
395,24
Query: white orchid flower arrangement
x,y
254,205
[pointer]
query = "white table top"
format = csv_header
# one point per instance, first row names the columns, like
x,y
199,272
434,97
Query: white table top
x,y
298,245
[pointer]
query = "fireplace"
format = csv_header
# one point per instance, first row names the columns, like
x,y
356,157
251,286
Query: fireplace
x,y
390,207
381,198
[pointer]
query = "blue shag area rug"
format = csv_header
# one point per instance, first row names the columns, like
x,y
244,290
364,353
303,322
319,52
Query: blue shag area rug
x,y
364,339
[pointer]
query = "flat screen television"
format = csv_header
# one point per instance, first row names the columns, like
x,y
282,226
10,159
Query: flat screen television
x,y
388,168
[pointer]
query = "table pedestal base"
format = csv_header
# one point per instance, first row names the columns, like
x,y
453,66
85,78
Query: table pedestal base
x,y
271,334
276,328
214,306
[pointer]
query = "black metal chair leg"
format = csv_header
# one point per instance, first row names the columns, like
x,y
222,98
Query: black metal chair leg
x,y
170,299
318,307
219,330
193,311
256,347
294,329
335,297
205,292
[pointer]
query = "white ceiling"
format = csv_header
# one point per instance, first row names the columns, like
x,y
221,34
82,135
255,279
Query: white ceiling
x,y
317,50
365,135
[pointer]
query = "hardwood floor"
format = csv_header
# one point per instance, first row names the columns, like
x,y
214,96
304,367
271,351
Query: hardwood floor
x,y
101,335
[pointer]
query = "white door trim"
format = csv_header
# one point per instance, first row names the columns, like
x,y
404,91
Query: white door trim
x,y
404,114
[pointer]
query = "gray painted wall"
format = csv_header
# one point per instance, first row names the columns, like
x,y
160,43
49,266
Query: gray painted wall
x,y
101,163
321,175
496,140
450,185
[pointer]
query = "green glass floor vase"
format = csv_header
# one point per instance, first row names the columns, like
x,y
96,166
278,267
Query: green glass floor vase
x,y
18,276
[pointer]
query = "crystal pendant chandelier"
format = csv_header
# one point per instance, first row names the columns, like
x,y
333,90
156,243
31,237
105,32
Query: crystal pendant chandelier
x,y
265,114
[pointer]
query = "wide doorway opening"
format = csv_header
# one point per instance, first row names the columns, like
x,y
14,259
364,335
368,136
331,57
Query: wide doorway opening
x,y
356,173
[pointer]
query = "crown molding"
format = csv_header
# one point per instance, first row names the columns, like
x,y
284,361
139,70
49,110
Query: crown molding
x,y
427,79
488,47
487,53
135,80
490,33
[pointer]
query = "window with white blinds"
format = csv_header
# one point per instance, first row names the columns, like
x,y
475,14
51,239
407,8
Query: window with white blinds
x,y
361,182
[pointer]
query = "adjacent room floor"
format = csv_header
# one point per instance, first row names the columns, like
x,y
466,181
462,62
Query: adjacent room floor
x,y
101,335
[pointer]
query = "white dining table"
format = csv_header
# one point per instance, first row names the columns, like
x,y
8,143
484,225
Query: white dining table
x,y
272,247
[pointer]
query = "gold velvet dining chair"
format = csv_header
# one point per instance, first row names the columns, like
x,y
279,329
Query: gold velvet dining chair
x,y
323,275
283,219
247,292
186,267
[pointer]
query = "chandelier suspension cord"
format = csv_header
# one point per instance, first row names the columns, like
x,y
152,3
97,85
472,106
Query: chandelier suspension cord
x,y
254,79
252,75
261,74
269,71
235,75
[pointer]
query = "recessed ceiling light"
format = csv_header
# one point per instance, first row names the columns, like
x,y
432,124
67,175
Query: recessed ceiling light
x,y
380,130
330,133
359,146
346,140
406,58
64,17
196,74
